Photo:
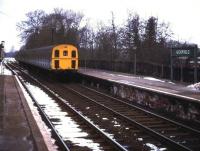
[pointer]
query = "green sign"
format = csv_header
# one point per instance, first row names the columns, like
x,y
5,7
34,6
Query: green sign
x,y
182,52
189,51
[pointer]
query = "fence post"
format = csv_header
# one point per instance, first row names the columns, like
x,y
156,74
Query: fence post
x,y
171,61
195,64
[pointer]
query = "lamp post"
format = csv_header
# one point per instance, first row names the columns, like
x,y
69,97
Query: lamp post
x,y
195,63
52,38
171,65
135,60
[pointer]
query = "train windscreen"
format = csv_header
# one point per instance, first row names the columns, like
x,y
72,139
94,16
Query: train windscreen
x,y
73,54
56,53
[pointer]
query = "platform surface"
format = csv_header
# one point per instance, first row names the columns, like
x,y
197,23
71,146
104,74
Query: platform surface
x,y
148,83
18,130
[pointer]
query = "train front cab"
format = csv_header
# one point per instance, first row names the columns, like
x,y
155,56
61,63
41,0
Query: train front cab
x,y
64,58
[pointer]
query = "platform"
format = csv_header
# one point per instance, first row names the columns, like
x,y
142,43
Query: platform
x,y
18,128
147,83
163,96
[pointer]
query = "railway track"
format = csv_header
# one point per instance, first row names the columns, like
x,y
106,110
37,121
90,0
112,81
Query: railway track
x,y
57,137
148,127
168,131
94,134
129,125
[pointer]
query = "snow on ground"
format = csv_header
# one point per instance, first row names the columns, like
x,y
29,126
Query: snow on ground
x,y
4,70
158,80
153,79
9,60
195,86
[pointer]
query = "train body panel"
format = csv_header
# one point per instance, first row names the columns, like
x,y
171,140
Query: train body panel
x,y
62,57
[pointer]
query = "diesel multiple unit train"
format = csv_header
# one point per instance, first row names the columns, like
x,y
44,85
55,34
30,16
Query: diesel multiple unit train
x,y
63,57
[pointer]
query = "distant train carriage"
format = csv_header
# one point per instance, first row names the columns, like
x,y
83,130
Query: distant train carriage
x,y
62,57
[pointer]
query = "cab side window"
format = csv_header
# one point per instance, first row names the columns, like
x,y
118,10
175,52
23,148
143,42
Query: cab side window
x,y
56,53
73,54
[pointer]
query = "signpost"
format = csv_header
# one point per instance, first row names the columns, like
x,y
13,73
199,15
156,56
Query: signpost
x,y
1,55
185,52
1,50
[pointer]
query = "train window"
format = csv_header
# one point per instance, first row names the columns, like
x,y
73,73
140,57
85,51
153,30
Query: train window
x,y
65,53
56,53
73,53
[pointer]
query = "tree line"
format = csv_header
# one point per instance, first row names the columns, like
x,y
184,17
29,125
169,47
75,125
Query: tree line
x,y
148,40
42,29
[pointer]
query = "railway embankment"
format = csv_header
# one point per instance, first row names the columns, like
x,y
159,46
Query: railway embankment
x,y
174,99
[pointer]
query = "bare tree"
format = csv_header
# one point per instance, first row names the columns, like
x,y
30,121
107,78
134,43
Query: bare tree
x,y
31,25
151,32
133,37
114,36
40,29
164,33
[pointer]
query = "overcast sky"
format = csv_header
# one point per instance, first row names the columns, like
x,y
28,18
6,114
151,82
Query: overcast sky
x,y
183,15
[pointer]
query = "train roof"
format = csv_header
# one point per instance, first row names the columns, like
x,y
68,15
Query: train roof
x,y
45,48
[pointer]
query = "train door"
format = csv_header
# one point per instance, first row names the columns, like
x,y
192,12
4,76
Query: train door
x,y
56,62
73,63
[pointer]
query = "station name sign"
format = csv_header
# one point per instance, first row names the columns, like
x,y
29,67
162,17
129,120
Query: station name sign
x,y
182,52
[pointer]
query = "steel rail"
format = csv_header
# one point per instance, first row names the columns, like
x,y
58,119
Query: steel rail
x,y
161,137
59,140
110,140
148,112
